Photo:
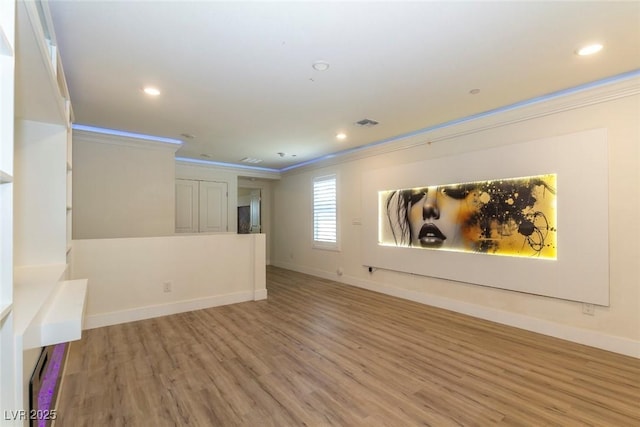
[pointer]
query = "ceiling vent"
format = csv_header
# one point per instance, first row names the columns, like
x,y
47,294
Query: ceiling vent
x,y
366,123
250,160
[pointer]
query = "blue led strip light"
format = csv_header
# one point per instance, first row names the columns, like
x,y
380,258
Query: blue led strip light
x,y
116,132
227,165
532,101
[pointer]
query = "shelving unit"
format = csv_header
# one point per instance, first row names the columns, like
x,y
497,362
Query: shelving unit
x,y
69,216
39,307
8,375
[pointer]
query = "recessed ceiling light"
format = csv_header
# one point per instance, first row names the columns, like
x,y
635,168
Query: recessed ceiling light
x,y
341,136
589,49
320,65
152,91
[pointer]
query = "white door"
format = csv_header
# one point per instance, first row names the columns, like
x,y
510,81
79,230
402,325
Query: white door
x,y
187,201
213,206
255,211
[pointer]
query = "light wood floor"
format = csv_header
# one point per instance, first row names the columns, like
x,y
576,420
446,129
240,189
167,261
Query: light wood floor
x,y
318,353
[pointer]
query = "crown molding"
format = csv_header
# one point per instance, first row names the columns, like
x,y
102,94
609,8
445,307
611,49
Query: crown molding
x,y
129,141
240,171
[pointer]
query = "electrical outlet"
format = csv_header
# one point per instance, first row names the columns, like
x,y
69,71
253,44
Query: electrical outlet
x,y
588,309
166,286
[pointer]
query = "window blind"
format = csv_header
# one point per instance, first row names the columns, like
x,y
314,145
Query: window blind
x,y
324,210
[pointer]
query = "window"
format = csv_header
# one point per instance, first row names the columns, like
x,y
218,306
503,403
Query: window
x,y
325,223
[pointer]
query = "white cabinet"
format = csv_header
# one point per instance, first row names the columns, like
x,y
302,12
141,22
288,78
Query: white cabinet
x,y
213,207
187,201
201,206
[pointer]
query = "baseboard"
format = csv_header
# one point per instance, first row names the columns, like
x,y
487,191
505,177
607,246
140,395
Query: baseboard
x,y
259,294
140,313
587,337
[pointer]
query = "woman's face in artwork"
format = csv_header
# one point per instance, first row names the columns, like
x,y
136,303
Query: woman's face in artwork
x,y
436,215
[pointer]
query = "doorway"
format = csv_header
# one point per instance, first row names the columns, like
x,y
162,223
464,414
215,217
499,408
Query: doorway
x,y
249,206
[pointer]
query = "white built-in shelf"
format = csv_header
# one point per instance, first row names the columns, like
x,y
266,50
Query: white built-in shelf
x,y
5,309
47,310
32,288
5,45
38,95
5,177
64,320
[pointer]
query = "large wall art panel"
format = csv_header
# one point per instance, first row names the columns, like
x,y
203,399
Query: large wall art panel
x,y
553,209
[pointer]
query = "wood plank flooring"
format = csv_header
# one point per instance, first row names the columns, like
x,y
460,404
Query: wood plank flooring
x,y
318,353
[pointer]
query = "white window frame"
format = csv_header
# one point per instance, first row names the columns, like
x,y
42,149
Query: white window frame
x,y
323,244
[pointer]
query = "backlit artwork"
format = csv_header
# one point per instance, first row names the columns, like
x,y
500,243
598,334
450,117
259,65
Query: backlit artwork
x,y
513,217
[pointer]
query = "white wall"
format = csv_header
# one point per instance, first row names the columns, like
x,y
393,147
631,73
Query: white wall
x,y
126,276
122,187
616,328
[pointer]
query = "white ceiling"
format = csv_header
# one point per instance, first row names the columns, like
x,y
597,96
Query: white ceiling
x,y
238,75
